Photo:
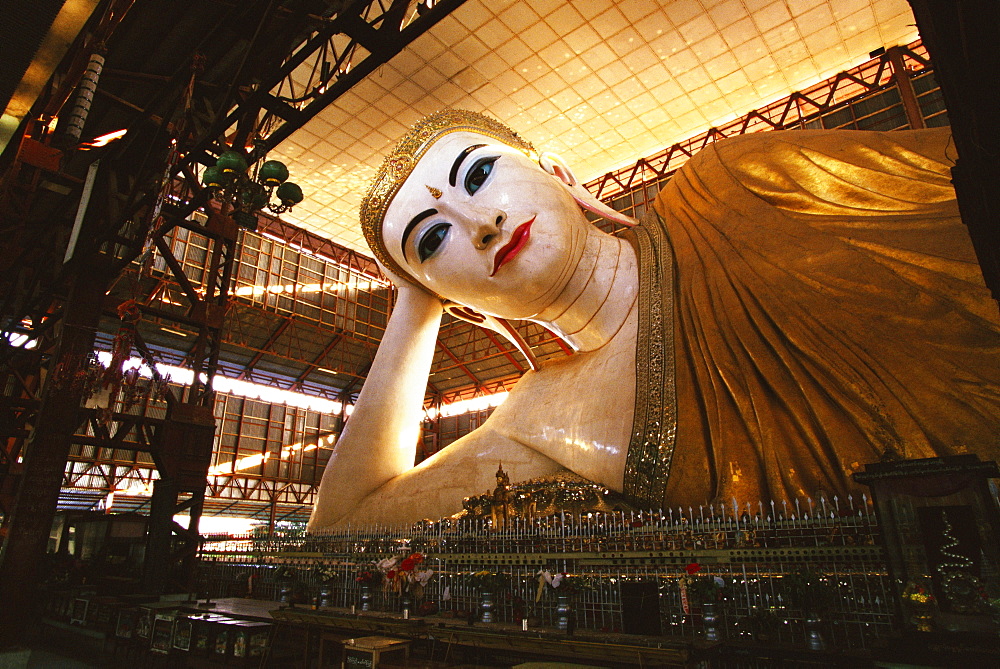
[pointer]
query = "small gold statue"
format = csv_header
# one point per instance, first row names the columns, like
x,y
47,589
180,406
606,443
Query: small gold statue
x,y
500,509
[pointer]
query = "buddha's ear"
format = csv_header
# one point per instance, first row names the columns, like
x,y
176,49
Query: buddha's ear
x,y
557,167
499,325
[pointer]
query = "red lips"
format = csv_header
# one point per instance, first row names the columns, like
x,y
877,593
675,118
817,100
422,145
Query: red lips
x,y
513,246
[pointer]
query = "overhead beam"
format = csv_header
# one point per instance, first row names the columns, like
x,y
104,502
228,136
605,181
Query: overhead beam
x,y
391,40
357,22
315,364
265,348
460,365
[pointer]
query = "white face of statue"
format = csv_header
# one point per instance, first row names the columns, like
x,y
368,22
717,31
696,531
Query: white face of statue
x,y
503,237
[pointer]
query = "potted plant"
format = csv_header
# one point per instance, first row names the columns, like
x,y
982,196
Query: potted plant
x,y
284,577
488,583
407,577
706,591
920,601
326,576
809,592
565,586
764,624
367,578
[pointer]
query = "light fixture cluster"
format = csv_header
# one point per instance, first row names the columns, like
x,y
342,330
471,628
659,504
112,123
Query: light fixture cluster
x,y
229,182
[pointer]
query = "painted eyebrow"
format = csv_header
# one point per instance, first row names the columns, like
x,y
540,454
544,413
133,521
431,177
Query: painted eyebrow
x,y
458,161
412,224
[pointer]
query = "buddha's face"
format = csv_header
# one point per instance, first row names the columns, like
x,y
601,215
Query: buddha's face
x,y
480,223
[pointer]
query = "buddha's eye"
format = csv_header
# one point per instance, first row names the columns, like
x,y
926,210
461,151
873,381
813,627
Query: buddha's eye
x,y
431,239
478,173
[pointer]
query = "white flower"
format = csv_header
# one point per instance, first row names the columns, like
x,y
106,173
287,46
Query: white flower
x,y
388,563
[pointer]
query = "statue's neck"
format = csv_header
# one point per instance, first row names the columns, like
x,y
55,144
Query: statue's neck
x,y
599,297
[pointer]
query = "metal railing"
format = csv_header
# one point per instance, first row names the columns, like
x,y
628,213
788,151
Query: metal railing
x,y
757,550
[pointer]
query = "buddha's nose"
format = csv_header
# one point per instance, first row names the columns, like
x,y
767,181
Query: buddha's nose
x,y
488,228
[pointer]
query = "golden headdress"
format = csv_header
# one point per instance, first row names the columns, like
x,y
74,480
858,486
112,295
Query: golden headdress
x,y
400,163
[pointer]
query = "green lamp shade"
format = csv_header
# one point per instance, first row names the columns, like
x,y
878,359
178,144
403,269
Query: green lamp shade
x,y
231,161
213,177
245,219
253,197
289,194
272,173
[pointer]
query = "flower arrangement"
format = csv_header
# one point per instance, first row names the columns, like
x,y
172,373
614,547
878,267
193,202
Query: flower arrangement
x,y
572,584
763,623
994,607
701,588
917,592
488,581
807,590
920,601
284,573
368,576
402,574
326,575
563,584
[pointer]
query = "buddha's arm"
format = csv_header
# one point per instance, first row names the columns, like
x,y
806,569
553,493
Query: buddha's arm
x,y
380,439
541,429
436,487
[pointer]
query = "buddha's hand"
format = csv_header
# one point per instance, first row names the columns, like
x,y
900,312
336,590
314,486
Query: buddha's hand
x,y
379,441
411,293
398,280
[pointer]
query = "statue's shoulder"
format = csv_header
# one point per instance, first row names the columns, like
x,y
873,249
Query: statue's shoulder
x,y
817,172
780,158
777,145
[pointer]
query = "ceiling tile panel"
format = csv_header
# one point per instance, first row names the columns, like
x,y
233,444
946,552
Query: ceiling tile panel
x,y
470,49
636,10
565,19
726,13
514,51
450,30
556,53
611,21
582,39
519,17
722,64
772,16
842,8
602,82
474,14
740,32
495,32
682,11
817,18
625,42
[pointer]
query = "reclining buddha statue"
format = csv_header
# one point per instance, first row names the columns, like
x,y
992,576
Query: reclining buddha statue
x,y
798,304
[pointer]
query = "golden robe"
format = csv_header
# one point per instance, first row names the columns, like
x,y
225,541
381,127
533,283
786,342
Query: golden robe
x,y
824,304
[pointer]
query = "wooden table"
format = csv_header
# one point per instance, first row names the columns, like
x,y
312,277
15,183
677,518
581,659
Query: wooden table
x,y
368,651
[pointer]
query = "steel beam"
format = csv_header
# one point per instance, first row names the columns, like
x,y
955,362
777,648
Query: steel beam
x,y
45,460
901,77
265,348
460,365
785,113
315,364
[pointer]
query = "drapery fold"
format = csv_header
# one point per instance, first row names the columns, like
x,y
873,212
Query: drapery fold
x,y
826,306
